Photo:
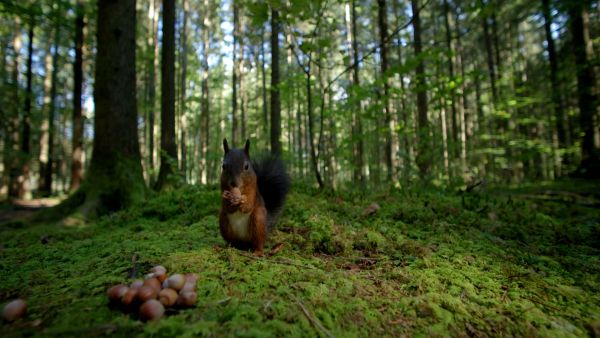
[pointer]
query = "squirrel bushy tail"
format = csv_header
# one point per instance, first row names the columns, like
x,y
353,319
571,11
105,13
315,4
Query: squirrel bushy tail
x,y
273,184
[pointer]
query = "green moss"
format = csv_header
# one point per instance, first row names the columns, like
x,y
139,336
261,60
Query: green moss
x,y
428,263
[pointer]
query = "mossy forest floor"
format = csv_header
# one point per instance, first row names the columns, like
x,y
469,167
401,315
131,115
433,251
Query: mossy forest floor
x,y
498,262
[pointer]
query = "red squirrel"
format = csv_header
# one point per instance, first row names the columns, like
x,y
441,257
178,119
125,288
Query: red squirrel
x,y
252,196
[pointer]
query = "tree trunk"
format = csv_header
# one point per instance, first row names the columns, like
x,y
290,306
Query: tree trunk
x,y
311,133
26,124
275,102
579,24
14,185
556,100
182,104
115,172
489,50
204,105
168,152
423,156
265,104
357,133
77,154
450,62
154,12
234,79
390,125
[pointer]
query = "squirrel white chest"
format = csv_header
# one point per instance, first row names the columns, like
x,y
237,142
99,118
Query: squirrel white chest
x,y
240,225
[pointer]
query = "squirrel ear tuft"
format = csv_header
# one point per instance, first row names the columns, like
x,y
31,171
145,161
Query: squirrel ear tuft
x,y
247,147
225,146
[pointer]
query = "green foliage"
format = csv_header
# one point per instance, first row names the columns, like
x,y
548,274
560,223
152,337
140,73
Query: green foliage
x,y
427,263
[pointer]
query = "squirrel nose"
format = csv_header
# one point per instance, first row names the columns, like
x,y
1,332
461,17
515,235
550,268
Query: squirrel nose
x,y
232,184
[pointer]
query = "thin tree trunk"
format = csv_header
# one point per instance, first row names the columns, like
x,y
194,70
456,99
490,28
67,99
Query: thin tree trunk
x,y
357,133
234,79
275,101
152,66
26,131
390,125
168,152
311,133
489,50
556,100
77,151
265,107
183,84
464,105
579,24
13,167
423,155
450,62
204,107
242,92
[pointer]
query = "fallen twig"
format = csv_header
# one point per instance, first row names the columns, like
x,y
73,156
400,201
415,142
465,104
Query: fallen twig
x,y
314,321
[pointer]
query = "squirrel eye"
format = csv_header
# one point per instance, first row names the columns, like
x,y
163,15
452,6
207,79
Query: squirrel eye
x,y
246,166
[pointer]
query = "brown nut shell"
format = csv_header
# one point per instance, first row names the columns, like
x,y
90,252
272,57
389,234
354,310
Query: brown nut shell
x,y
176,282
137,284
153,282
146,293
152,310
116,292
14,310
160,275
168,297
236,193
129,297
187,299
159,268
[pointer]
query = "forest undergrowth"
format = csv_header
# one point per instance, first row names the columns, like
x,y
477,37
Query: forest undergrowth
x,y
497,262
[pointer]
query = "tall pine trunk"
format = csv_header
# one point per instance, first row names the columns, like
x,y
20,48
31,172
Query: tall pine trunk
x,y
115,173
14,186
235,73
389,121
587,101
275,101
168,151
424,152
26,123
77,154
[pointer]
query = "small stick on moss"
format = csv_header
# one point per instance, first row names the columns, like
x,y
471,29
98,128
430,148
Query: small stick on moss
x,y
314,321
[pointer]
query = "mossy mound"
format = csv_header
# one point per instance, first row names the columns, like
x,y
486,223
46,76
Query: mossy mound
x,y
427,263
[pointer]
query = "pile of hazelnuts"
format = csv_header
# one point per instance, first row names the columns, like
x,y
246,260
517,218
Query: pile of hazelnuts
x,y
157,292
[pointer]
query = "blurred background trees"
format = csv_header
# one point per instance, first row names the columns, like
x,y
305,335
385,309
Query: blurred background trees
x,y
349,92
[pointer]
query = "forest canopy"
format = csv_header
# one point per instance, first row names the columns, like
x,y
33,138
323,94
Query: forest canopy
x,y
348,92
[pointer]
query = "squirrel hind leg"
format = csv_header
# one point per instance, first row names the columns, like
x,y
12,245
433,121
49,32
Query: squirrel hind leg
x,y
258,230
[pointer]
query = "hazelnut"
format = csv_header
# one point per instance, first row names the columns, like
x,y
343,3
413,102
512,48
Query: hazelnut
x,y
116,292
153,282
187,299
176,282
146,293
167,297
14,310
129,297
152,310
137,284
159,268
160,275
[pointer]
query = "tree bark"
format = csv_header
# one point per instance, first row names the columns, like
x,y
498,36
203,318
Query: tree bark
x,y
263,78
204,106
357,132
555,87
26,123
423,157
389,121
275,102
587,101
234,79
77,154
14,186
116,163
168,152
489,50
182,104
